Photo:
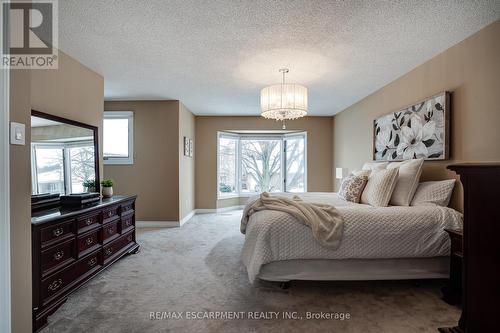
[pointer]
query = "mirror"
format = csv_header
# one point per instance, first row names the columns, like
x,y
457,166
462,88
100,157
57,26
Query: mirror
x,y
64,156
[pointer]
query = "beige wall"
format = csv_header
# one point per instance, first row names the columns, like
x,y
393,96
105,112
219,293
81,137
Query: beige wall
x,y
319,151
231,202
20,210
74,92
186,164
154,176
471,71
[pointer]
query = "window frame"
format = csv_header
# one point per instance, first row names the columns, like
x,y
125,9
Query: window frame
x,y
234,136
110,160
67,172
239,136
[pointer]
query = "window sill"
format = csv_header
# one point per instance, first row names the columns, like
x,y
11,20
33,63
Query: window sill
x,y
228,196
118,162
254,194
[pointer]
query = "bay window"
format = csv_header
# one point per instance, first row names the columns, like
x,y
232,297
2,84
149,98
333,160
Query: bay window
x,y
61,167
249,164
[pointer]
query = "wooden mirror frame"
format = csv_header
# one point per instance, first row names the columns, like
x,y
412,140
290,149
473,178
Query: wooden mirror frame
x,y
79,124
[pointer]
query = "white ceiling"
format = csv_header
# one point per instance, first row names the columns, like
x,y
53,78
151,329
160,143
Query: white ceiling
x,y
215,56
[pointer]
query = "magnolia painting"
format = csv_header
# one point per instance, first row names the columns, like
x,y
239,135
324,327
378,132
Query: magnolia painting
x,y
418,131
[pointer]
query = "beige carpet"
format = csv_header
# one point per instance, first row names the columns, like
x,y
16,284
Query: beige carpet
x,y
197,268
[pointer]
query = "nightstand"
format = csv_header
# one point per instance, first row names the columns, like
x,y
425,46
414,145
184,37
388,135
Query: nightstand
x,y
452,292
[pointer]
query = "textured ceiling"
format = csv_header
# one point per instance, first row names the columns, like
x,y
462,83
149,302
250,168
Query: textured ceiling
x,y
216,55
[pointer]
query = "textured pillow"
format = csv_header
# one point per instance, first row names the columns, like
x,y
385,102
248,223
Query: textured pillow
x,y
407,183
352,187
362,173
374,165
434,193
378,189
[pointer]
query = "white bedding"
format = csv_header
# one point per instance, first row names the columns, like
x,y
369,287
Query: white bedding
x,y
369,233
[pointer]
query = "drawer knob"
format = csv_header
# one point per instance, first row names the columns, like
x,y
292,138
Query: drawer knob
x,y
58,232
109,251
92,262
129,238
110,213
111,230
89,241
55,285
58,255
89,221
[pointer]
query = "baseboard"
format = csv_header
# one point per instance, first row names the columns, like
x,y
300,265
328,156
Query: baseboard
x,y
218,210
176,224
157,224
187,217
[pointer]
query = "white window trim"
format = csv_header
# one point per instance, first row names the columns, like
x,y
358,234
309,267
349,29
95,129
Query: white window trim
x,y
5,268
229,195
122,160
238,137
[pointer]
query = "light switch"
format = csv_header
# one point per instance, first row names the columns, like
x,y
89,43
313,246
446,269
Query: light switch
x,y
17,133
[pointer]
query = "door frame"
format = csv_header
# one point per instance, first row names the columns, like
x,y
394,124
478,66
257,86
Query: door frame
x,y
5,265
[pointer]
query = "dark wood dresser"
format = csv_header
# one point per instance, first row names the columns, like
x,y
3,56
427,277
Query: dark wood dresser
x,y
70,246
452,292
481,248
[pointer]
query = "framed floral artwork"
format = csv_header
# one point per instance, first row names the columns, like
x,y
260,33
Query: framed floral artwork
x,y
418,131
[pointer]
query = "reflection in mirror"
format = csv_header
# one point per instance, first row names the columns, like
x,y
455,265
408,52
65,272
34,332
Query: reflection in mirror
x,y
62,157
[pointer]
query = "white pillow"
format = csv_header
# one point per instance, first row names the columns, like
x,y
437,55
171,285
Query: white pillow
x,y
378,189
408,177
434,193
361,173
374,165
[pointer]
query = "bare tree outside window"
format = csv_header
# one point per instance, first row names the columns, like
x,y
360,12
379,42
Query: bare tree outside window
x,y
261,165
82,167
295,164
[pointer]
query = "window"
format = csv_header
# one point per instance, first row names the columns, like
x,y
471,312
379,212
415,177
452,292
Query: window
x,y
227,165
49,170
81,166
62,167
118,137
251,164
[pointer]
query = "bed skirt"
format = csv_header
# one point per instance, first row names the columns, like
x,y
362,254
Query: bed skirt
x,y
356,269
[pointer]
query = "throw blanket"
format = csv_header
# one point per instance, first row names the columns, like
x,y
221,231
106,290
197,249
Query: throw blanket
x,y
324,220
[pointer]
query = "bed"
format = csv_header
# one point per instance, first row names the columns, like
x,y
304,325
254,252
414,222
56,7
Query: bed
x,y
378,243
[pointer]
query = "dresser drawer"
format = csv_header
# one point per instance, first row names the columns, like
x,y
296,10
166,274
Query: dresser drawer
x,y
88,242
58,256
126,224
110,213
56,283
57,233
88,222
114,248
110,231
89,263
127,208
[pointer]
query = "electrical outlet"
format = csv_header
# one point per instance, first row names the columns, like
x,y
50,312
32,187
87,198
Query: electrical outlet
x,y
17,134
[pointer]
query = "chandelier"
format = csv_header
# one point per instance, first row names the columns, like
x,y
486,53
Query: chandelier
x,y
283,101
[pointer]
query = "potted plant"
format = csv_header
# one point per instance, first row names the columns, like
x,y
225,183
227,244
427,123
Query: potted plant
x,y
89,185
107,188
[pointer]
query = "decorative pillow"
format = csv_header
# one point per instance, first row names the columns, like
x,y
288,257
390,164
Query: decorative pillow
x,y
362,173
374,165
434,193
352,187
408,177
378,189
